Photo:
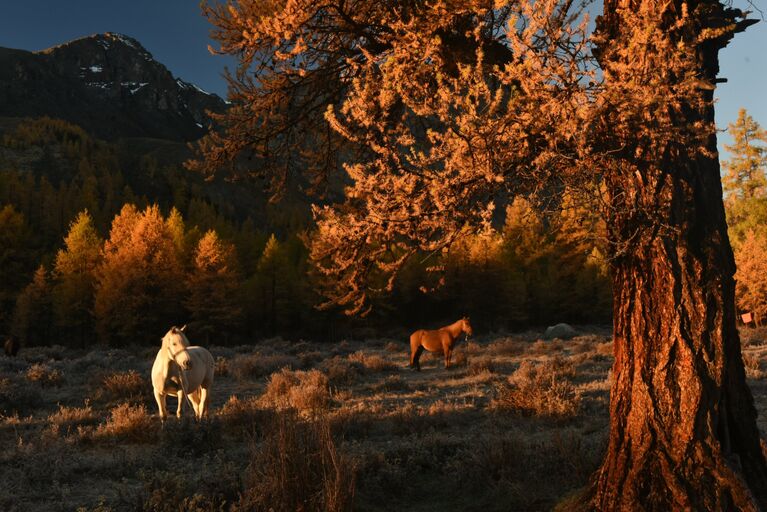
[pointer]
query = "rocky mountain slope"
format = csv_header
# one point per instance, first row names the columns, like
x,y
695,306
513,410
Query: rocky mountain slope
x,y
107,83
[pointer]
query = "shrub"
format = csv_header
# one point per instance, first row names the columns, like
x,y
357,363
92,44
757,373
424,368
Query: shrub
x,y
390,383
393,347
341,371
305,391
298,467
18,399
507,347
372,362
126,386
248,366
753,366
67,419
44,374
222,367
241,416
130,422
541,389
481,365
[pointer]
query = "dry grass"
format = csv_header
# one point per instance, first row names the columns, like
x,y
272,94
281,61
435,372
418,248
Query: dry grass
x,y
298,466
331,412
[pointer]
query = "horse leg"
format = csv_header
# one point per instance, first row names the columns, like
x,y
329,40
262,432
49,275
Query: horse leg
x,y
160,398
197,401
180,396
417,357
204,401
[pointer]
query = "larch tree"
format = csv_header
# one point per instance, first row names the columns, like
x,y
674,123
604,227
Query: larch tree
x,y
448,110
140,284
751,277
75,277
214,284
33,315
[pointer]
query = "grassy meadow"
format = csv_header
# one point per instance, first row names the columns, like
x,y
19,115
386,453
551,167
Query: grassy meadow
x,y
517,424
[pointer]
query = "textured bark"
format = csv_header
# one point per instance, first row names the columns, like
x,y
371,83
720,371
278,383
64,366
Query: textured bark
x,y
683,432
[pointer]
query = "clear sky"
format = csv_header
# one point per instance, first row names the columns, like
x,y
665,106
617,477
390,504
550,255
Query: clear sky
x,y
178,36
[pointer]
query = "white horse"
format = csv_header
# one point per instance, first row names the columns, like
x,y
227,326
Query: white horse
x,y
182,371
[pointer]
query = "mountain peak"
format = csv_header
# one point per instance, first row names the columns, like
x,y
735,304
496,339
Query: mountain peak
x,y
109,84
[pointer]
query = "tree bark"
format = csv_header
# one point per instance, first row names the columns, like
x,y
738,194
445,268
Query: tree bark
x,y
683,432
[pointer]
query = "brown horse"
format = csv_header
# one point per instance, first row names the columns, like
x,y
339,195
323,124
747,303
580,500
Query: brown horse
x,y
440,341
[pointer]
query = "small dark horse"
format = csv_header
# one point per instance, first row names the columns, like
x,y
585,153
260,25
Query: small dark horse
x,y
12,346
439,340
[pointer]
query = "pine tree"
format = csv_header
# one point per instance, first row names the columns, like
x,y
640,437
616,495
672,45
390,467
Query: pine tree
x,y
745,179
75,275
213,300
744,172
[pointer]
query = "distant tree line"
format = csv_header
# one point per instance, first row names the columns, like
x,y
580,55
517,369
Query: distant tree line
x,y
97,247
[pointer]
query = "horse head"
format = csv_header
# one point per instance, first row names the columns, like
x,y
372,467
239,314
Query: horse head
x,y
466,326
176,343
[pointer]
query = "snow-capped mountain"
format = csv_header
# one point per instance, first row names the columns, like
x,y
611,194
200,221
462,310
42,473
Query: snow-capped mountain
x,y
107,83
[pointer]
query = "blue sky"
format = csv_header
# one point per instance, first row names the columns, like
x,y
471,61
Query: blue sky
x,y
178,36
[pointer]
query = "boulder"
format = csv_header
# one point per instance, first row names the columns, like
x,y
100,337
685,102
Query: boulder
x,y
561,331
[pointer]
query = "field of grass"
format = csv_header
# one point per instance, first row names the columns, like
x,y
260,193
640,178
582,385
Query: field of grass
x,y
517,424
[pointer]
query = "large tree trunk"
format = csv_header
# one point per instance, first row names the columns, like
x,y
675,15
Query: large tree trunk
x,y
683,432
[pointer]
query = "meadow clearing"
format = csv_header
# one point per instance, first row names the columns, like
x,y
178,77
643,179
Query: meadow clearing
x,y
517,424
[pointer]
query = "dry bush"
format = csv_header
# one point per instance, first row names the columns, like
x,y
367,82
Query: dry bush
x,y
542,347
389,384
539,389
167,492
459,359
507,347
753,366
126,386
242,416
753,336
306,391
473,348
605,349
129,422
16,398
372,362
341,371
222,367
44,375
481,365
394,347
526,473
246,367
67,420
310,359
298,467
